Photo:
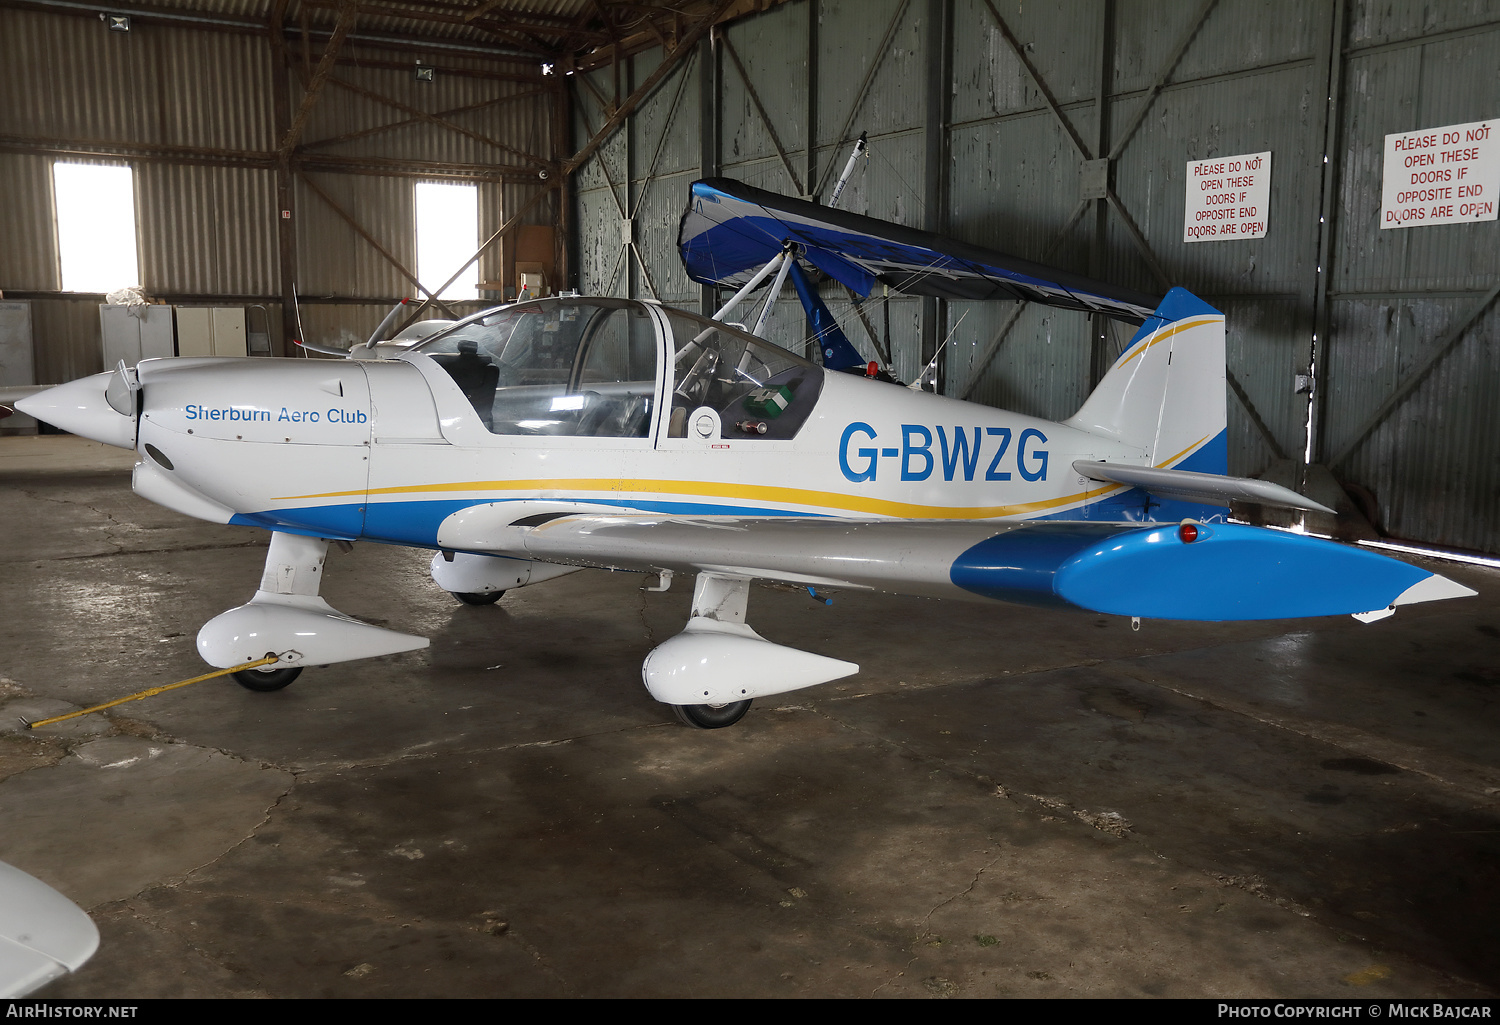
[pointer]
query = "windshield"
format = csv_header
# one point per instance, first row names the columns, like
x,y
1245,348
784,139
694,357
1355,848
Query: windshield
x,y
581,367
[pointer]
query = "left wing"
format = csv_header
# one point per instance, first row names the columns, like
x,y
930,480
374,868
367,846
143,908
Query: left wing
x,y
1210,572
42,934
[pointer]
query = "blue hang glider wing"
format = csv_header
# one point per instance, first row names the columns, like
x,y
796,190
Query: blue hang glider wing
x,y
837,352
731,229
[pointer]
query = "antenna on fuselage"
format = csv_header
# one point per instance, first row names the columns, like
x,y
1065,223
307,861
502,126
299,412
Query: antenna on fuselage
x,y
932,365
297,316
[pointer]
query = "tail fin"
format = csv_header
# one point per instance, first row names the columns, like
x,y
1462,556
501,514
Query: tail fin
x,y
1165,394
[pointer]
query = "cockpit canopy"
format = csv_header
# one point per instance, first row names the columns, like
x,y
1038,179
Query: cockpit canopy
x,y
590,368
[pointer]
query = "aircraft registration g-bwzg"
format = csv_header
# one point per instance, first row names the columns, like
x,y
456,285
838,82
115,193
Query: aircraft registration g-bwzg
x,y
546,436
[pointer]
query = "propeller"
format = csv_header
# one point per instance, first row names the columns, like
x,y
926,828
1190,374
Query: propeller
x,y
353,352
385,325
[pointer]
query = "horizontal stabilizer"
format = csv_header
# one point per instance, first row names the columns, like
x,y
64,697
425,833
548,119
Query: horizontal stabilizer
x,y
1198,487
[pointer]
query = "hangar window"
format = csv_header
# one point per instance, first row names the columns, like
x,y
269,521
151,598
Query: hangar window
x,y
447,235
95,209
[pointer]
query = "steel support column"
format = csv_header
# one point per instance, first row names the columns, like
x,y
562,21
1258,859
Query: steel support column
x,y
710,95
625,77
1100,356
563,247
811,165
939,17
286,231
1331,73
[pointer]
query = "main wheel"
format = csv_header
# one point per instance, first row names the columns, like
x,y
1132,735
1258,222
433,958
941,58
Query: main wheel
x,y
477,597
266,680
711,717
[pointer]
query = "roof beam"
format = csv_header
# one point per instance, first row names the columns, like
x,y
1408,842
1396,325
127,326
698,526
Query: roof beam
x,y
346,20
374,243
434,119
647,39
669,62
469,109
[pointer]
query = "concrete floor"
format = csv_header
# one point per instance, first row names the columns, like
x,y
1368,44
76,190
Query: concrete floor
x,y
1005,802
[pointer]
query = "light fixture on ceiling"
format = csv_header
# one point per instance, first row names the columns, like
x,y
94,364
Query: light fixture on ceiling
x,y
116,22
422,73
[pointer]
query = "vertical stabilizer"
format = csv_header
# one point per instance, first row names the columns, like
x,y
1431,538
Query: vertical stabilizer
x,y
1165,394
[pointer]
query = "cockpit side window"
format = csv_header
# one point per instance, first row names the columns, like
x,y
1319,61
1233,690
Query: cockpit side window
x,y
583,368
758,389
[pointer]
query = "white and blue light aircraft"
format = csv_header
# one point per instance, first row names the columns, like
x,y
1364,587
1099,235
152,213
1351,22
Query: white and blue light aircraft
x,y
542,437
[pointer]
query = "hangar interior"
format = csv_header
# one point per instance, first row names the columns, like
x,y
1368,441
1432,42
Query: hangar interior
x,y
1023,802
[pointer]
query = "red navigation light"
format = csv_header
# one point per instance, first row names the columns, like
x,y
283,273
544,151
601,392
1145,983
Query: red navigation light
x,y
1188,532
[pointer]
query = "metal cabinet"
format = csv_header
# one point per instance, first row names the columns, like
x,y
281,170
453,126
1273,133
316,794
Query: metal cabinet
x,y
134,333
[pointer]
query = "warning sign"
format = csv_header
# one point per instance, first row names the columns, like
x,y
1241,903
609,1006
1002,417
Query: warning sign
x,y
1441,176
1228,198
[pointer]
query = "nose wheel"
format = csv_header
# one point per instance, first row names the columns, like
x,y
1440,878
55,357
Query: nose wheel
x,y
267,678
711,717
477,597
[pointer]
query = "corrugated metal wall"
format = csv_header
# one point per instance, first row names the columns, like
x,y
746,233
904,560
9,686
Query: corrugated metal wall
x,y
193,111
1248,77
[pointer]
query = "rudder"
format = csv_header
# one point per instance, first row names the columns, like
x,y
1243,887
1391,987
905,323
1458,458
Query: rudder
x,y
1165,394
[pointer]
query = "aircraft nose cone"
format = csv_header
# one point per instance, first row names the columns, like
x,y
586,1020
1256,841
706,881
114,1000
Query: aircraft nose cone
x,y
79,407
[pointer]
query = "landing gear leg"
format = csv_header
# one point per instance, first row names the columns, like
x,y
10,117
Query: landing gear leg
x,y
711,671
294,566
289,618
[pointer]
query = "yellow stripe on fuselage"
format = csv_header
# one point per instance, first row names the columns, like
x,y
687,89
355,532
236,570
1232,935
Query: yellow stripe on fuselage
x,y
825,500
831,501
